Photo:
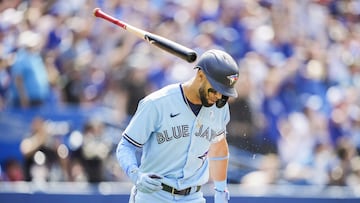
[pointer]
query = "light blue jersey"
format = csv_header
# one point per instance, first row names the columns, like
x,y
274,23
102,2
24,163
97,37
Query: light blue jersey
x,y
175,141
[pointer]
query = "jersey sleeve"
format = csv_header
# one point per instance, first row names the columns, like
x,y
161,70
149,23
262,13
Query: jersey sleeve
x,y
226,115
226,119
142,124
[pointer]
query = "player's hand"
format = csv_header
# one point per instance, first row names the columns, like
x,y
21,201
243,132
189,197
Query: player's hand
x,y
148,183
221,196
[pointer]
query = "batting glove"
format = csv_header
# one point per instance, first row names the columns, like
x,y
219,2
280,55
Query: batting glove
x,y
221,196
148,183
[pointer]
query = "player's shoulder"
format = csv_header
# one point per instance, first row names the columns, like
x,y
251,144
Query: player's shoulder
x,y
164,93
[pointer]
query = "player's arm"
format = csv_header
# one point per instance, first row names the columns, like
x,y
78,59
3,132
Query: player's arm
x,y
128,145
218,155
219,158
135,137
126,155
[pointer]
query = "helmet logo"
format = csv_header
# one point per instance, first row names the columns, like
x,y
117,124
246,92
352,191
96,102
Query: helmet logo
x,y
232,79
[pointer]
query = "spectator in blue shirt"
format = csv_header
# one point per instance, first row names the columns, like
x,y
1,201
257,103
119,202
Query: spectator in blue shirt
x,y
29,75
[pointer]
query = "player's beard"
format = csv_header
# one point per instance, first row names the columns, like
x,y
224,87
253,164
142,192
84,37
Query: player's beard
x,y
203,93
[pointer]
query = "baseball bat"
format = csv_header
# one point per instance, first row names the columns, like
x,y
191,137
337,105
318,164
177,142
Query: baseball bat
x,y
165,44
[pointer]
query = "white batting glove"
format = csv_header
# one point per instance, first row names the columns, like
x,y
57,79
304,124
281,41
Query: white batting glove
x,y
221,196
145,182
148,183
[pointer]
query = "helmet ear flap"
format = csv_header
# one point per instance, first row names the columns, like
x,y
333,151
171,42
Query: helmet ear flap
x,y
221,102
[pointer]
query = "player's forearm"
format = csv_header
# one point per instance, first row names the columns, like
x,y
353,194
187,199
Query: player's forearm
x,y
219,158
218,170
126,155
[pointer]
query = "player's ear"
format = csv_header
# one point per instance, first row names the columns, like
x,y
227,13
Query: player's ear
x,y
201,75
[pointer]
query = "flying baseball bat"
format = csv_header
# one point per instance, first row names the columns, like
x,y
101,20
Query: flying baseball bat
x,y
165,44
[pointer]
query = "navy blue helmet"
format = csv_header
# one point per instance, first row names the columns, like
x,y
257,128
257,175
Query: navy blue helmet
x,y
221,71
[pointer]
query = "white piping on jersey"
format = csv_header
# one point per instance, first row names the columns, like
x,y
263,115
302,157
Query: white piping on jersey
x,y
132,141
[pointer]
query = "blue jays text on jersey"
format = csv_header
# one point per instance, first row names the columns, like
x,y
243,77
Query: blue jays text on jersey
x,y
178,132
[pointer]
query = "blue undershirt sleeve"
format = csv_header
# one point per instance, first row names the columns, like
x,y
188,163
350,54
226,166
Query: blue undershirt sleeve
x,y
126,156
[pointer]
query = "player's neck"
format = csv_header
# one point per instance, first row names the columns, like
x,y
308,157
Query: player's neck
x,y
191,92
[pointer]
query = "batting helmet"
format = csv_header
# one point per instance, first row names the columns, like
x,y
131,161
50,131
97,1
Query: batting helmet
x,y
221,71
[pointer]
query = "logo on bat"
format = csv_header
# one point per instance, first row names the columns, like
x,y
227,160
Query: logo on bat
x,y
149,39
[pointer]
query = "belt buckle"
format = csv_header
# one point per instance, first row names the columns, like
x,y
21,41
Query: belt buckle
x,y
172,191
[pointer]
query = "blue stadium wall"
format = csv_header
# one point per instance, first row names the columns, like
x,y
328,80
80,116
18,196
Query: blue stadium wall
x,y
118,192
99,198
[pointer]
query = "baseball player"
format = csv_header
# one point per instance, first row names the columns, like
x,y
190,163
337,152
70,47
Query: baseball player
x,y
181,129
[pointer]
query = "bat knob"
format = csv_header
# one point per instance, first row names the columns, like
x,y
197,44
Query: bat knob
x,y
96,11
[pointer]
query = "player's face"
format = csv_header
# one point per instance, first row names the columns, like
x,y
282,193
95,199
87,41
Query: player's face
x,y
208,95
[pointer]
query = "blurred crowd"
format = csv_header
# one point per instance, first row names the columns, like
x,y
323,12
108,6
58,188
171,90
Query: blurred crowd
x,y
298,110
